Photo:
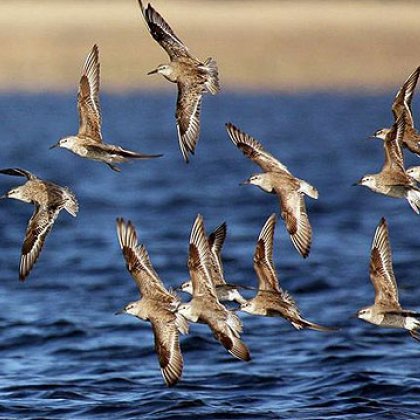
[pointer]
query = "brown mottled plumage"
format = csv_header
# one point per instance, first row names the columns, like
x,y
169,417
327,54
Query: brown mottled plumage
x,y
89,143
277,179
225,292
271,300
193,77
387,311
393,180
205,306
402,106
49,199
157,305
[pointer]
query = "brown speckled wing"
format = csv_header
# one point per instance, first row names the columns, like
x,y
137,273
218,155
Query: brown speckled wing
x,y
254,150
404,97
381,270
163,34
138,261
167,346
88,98
188,109
39,225
293,211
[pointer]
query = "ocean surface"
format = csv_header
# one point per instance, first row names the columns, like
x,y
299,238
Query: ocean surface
x,y
63,352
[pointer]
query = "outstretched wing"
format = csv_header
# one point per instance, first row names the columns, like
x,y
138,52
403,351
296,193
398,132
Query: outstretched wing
x,y
199,262
404,97
163,34
18,172
381,271
88,98
263,257
39,225
216,240
293,211
188,117
253,149
167,346
394,157
138,261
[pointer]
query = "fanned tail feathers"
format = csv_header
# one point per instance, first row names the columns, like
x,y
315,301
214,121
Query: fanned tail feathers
x,y
212,83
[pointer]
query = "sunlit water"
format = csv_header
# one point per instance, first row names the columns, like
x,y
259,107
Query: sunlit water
x,y
63,353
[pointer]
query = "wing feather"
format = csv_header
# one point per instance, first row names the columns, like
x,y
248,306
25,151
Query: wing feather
x,y
38,228
381,270
88,98
263,257
199,261
254,150
188,117
138,261
293,211
163,34
167,346
404,97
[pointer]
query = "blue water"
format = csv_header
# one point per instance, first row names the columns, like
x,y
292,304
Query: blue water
x,y
63,353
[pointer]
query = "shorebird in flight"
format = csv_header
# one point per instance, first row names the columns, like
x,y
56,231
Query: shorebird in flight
x,y
157,305
271,300
277,179
400,106
88,143
49,199
193,77
387,311
225,292
205,307
393,180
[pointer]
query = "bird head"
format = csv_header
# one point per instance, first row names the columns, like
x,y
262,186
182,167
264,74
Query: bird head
x,y
380,134
65,143
186,287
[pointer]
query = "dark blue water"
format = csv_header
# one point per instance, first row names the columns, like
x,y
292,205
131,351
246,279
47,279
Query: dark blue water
x,y
63,353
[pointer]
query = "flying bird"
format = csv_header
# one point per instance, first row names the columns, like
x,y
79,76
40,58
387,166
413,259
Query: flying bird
x,y
205,307
277,179
393,180
402,106
156,305
387,311
49,199
88,143
271,300
192,76
224,291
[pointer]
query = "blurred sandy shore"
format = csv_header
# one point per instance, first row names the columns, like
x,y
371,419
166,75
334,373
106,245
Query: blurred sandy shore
x,y
259,44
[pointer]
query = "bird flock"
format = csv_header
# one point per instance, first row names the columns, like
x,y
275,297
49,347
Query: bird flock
x,y
166,312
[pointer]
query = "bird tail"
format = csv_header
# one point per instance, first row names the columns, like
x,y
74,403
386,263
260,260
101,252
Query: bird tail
x,y
71,205
303,323
308,189
413,197
127,154
212,83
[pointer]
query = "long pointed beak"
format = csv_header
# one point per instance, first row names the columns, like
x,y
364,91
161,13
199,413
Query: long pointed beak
x,y
120,312
246,182
54,145
3,197
372,137
355,315
152,72
355,184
